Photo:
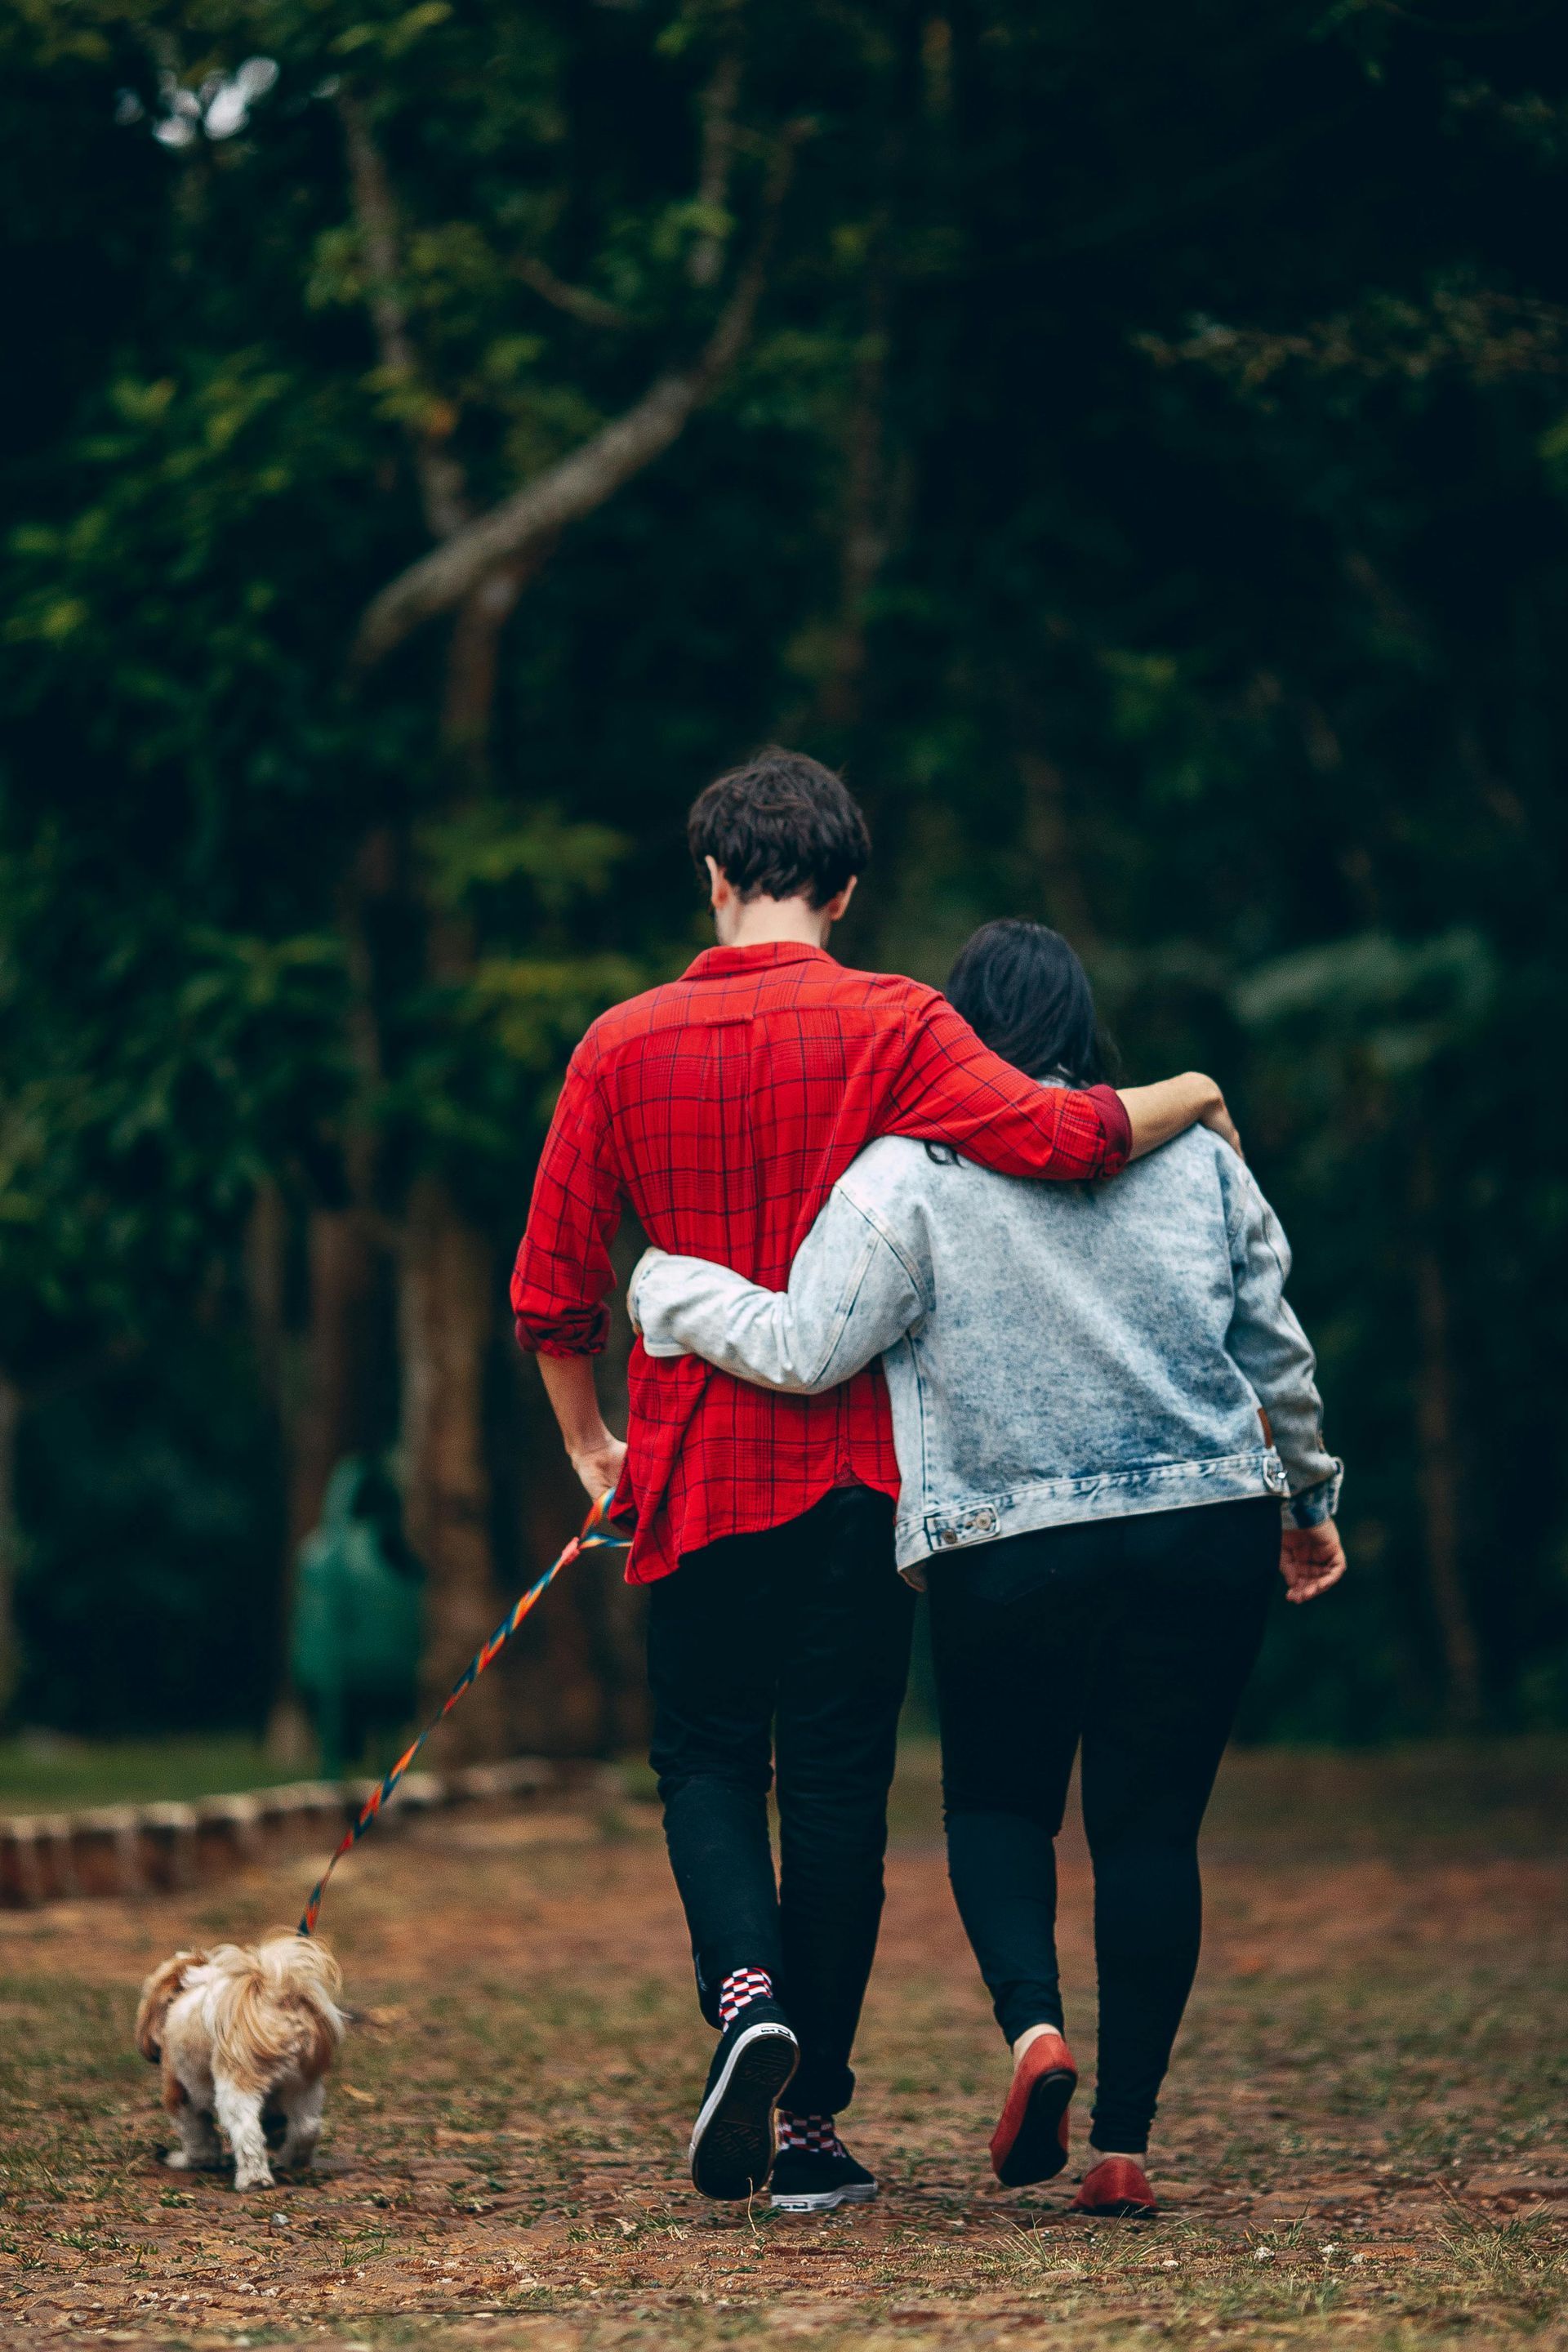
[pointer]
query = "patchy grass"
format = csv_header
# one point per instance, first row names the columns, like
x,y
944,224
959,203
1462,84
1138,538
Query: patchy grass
x,y
1362,2143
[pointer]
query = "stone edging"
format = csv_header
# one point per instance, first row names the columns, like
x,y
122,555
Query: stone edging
x,y
132,1849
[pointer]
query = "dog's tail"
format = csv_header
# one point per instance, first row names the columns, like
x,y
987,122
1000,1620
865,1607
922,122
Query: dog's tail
x,y
158,1995
278,2010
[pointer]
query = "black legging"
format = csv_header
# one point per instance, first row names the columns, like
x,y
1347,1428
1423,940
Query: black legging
x,y
1135,1636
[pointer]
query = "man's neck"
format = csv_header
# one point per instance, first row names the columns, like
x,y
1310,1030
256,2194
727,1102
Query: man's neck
x,y
764,922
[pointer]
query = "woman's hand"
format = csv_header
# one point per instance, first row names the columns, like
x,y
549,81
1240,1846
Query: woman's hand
x,y
1310,1560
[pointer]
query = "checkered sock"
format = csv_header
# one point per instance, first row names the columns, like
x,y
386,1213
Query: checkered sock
x,y
815,2134
740,1988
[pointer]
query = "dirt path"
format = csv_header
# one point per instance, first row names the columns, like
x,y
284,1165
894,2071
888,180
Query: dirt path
x,y
1364,2139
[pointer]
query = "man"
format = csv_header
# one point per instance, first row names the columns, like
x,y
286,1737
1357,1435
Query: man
x,y
723,1107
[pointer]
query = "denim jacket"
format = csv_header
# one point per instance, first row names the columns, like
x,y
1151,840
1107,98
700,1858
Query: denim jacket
x,y
1054,1352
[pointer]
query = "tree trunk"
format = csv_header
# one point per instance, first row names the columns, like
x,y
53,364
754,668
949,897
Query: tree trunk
x,y
864,545
336,1413
446,1302
287,1735
581,1679
1437,1422
11,1408
320,1394
468,710
1052,853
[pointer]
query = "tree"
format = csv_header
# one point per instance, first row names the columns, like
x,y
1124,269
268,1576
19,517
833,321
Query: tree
x,y
1132,444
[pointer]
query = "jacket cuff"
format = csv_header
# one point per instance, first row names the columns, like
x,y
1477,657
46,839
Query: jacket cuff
x,y
1315,1504
648,1257
1117,1125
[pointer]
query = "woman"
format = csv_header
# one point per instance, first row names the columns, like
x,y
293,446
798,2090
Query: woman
x,y
1100,1403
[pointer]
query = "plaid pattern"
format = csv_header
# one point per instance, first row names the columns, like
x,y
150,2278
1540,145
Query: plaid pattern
x,y
815,2134
724,1106
740,1988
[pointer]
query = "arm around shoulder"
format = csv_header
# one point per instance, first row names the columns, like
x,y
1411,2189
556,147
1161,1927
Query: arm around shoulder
x,y
1157,1113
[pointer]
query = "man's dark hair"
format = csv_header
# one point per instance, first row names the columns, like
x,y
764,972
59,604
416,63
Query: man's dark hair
x,y
783,827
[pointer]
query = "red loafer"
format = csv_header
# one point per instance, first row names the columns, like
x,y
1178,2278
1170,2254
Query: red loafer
x,y
1030,2142
1117,2187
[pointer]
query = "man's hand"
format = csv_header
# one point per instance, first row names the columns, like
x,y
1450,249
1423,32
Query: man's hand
x,y
593,1453
1310,1560
1159,1112
1219,1119
600,1468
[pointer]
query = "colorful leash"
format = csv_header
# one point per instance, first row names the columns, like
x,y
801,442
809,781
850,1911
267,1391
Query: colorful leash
x,y
590,1537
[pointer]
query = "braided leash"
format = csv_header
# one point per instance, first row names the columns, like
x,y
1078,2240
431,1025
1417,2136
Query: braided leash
x,y
591,1537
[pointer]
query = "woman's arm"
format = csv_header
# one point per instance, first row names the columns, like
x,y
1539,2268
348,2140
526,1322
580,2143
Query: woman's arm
x,y
1272,1349
850,1296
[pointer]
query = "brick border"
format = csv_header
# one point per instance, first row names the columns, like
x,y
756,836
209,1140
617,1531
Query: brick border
x,y
137,1849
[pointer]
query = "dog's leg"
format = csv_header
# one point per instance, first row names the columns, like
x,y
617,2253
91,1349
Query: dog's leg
x,y
239,2114
200,2148
302,2107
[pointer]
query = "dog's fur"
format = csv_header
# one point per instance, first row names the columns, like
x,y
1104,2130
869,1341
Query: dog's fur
x,y
241,2035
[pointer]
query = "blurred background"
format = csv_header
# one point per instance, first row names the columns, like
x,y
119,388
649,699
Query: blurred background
x,y
1132,442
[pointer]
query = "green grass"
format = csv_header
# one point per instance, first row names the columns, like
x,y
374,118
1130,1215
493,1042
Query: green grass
x,y
44,1773
1511,1792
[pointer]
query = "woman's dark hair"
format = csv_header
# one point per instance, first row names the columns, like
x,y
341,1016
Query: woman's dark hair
x,y
783,827
1022,989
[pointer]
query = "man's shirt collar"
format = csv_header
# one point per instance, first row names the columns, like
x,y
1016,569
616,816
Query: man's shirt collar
x,y
717,963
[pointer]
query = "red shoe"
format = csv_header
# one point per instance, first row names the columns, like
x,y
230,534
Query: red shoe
x,y
1119,2188
1030,2142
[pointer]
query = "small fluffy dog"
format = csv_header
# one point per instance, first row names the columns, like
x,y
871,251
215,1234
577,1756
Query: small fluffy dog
x,y
243,2037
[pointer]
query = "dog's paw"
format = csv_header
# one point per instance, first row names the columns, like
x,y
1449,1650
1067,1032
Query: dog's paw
x,y
177,2160
261,2177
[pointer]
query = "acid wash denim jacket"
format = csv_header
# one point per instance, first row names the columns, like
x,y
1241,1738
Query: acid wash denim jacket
x,y
1054,1352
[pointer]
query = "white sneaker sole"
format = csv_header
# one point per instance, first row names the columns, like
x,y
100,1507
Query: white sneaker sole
x,y
732,2155
823,2201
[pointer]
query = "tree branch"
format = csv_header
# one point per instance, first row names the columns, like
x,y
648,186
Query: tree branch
x,y
592,474
442,488
575,301
719,102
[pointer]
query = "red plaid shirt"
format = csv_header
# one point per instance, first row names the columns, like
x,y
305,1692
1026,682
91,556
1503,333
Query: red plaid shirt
x,y
724,1106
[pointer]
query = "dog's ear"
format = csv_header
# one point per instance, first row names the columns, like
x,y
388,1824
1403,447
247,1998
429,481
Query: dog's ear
x,y
160,1990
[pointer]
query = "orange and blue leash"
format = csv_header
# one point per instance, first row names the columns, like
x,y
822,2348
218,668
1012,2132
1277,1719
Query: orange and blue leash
x,y
591,1536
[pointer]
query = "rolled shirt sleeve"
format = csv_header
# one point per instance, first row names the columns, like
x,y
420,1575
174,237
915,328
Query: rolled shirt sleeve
x,y
563,1273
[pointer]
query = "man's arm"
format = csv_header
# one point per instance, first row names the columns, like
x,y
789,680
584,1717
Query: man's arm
x,y
850,1296
1170,1107
562,1270
952,1089
573,1394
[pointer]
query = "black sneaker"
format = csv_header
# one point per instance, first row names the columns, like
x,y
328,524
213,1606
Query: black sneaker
x,y
806,2181
732,2144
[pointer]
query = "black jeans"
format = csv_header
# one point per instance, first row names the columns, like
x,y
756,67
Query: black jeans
x,y
793,1642
1135,1636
